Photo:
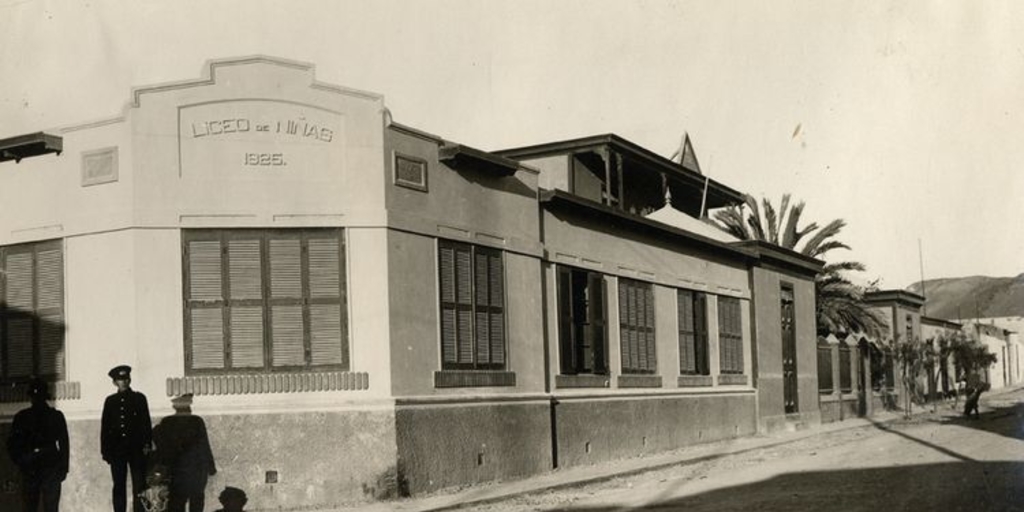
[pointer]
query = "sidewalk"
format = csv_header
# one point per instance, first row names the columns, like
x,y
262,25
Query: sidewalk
x,y
580,475
575,476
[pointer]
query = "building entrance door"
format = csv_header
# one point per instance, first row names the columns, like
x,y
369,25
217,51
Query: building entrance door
x,y
789,380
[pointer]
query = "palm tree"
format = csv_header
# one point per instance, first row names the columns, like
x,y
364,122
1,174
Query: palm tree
x,y
840,302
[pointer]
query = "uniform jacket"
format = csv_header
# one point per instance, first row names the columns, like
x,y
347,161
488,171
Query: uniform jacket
x,y
39,441
126,427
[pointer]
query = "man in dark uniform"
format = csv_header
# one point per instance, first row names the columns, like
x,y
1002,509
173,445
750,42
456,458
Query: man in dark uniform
x,y
126,435
39,446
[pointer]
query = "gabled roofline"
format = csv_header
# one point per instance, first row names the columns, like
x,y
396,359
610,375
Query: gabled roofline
x,y
560,198
209,77
692,177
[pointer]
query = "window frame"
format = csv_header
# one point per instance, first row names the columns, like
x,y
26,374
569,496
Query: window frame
x,y
265,302
571,342
824,353
633,332
36,315
701,338
731,362
473,309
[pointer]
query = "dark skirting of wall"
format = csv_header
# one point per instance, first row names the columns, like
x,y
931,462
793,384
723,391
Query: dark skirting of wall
x,y
321,459
441,445
835,409
596,429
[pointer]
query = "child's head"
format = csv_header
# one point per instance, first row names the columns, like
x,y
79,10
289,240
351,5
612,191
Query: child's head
x,y
157,476
233,499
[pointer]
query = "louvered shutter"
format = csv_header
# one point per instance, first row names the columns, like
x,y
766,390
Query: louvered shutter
x,y
326,330
206,303
50,309
725,343
687,338
496,322
245,269
18,294
597,318
287,329
652,351
247,337
624,342
481,284
464,299
700,338
449,334
565,322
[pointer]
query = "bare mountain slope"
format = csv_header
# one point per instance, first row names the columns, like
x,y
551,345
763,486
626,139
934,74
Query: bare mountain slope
x,y
974,296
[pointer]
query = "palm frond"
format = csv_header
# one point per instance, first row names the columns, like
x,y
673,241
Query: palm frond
x,y
791,234
830,230
754,219
772,222
730,220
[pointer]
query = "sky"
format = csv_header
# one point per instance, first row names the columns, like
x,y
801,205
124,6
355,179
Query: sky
x,y
900,117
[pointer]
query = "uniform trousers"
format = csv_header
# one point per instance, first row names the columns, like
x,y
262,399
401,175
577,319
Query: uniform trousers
x,y
119,468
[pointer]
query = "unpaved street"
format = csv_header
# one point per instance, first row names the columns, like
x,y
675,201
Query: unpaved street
x,y
936,461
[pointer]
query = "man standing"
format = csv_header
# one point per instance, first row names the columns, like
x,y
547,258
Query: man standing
x,y
183,445
39,446
126,434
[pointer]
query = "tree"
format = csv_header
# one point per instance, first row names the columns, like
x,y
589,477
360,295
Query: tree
x,y
970,356
913,356
840,302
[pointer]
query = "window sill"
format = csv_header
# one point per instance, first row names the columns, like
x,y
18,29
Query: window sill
x,y
18,392
474,378
639,381
246,384
730,379
694,381
582,381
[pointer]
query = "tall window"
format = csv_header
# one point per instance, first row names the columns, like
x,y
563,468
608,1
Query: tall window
x,y
845,379
472,280
730,335
32,311
824,367
264,300
693,333
636,326
582,322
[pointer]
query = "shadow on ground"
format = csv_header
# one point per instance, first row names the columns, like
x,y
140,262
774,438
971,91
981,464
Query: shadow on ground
x,y
956,486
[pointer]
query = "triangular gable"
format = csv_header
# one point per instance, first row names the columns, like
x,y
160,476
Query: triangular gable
x,y
685,155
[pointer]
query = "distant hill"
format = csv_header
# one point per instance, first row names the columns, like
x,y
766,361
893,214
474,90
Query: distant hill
x,y
975,296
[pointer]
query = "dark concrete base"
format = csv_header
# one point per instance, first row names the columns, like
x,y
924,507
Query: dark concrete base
x,y
320,459
595,429
441,445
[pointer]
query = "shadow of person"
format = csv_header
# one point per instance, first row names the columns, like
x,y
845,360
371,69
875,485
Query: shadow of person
x,y
232,499
38,444
183,446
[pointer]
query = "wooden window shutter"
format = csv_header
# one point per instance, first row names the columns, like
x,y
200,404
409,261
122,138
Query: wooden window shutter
x,y
205,314
625,336
652,351
464,301
207,336
326,317
50,309
449,334
700,324
496,323
481,284
596,317
565,322
204,263
287,325
20,298
687,332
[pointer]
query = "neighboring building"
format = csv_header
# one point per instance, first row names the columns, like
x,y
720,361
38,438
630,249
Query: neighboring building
x,y
1004,345
941,380
864,371
363,309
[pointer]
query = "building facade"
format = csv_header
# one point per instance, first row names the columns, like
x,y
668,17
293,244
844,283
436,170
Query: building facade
x,y
364,310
